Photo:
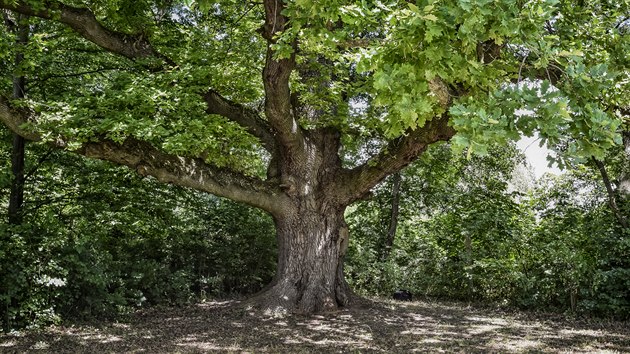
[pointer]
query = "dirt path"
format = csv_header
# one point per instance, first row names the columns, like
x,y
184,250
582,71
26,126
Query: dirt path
x,y
382,326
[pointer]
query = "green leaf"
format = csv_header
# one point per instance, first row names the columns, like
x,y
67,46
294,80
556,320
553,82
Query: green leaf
x,y
430,17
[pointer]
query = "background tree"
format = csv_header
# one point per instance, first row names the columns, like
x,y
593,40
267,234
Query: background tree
x,y
261,101
467,234
19,27
462,229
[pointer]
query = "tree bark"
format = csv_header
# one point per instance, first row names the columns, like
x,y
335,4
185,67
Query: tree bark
x,y
312,243
311,232
16,198
612,196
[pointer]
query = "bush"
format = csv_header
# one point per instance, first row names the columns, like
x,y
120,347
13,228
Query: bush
x,y
112,242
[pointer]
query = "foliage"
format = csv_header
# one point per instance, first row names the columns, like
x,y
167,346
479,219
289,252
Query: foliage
x,y
581,252
467,235
100,241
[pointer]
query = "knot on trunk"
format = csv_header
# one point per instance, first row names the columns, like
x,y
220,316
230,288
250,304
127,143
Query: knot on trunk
x,y
289,186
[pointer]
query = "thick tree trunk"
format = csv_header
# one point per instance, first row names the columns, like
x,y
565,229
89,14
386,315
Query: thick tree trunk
x,y
311,231
312,241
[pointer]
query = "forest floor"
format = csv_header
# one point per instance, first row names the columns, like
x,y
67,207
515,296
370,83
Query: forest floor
x,y
378,326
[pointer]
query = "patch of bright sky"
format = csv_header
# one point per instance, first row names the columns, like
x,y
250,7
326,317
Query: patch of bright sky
x,y
537,156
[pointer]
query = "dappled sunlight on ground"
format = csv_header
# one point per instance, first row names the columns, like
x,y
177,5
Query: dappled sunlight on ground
x,y
382,326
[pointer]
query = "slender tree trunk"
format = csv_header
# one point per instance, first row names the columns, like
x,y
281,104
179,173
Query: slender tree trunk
x,y
393,220
623,189
612,197
16,198
624,179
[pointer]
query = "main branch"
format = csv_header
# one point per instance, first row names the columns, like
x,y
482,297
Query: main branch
x,y
276,73
245,117
148,160
84,22
186,172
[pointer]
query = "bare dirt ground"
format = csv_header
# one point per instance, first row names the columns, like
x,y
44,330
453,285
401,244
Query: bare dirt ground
x,y
379,326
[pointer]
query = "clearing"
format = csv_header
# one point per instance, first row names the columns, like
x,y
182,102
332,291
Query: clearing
x,y
378,326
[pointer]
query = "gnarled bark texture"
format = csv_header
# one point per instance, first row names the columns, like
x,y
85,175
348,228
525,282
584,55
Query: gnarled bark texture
x,y
312,234
312,245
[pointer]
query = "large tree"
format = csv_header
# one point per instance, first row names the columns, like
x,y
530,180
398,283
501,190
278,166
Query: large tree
x,y
301,107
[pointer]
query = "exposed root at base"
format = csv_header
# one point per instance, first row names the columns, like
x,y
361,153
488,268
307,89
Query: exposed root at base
x,y
280,302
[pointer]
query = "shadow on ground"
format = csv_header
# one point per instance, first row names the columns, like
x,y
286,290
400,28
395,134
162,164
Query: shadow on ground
x,y
381,326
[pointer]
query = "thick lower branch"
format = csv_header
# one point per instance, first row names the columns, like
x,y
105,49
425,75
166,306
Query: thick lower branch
x,y
148,160
186,172
14,119
84,22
